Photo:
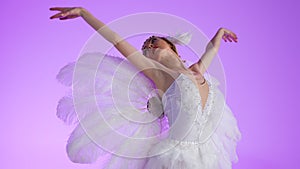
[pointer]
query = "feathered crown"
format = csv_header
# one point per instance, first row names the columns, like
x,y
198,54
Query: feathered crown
x,y
180,38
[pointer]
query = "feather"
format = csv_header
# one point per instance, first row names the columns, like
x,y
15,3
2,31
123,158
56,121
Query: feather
x,y
80,148
180,38
65,110
65,74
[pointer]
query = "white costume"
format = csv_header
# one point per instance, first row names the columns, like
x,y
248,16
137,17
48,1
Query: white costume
x,y
187,137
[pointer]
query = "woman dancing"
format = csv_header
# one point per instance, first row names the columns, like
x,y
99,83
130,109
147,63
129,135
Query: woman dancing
x,y
203,131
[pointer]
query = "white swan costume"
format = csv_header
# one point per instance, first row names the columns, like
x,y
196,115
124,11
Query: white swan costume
x,y
116,117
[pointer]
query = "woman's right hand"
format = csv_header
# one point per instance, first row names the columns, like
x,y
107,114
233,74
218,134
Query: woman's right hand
x,y
66,12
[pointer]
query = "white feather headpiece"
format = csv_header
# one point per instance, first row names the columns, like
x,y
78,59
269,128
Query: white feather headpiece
x,y
180,38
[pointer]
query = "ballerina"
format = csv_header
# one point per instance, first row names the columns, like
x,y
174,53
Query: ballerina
x,y
203,131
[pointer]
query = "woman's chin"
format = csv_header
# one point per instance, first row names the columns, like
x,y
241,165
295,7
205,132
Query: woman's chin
x,y
160,52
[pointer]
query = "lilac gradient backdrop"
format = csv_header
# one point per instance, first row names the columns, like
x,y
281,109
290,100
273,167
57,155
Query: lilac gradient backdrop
x,y
261,69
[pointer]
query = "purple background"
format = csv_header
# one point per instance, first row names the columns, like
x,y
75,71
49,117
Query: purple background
x,y
261,70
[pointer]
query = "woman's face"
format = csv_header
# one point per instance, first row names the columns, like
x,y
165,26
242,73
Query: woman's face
x,y
154,46
156,42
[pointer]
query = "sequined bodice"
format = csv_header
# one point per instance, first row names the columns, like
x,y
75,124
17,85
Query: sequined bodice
x,y
182,105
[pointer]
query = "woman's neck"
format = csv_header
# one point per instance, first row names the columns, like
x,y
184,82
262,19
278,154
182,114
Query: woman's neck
x,y
174,64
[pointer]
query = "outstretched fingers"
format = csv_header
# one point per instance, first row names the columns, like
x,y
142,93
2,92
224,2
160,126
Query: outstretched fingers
x,y
233,37
58,9
224,38
229,37
59,15
68,17
63,12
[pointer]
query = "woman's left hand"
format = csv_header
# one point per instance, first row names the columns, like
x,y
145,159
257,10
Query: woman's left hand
x,y
228,35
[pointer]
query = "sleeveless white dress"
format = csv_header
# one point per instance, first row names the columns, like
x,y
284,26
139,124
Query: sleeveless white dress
x,y
203,138
186,137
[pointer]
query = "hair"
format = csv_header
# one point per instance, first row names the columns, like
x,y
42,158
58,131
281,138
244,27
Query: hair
x,y
172,46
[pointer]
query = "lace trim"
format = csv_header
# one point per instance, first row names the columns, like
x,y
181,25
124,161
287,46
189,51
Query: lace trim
x,y
202,120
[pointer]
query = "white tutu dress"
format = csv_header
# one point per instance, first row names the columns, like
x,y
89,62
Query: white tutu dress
x,y
118,125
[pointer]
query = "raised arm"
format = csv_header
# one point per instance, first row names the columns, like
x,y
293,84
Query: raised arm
x,y
212,49
146,65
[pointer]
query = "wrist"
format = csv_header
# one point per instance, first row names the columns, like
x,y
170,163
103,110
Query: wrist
x,y
221,31
82,12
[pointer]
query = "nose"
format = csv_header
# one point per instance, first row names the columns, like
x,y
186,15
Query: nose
x,y
150,45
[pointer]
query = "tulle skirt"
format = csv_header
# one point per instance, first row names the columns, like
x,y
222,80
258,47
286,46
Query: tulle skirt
x,y
218,152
